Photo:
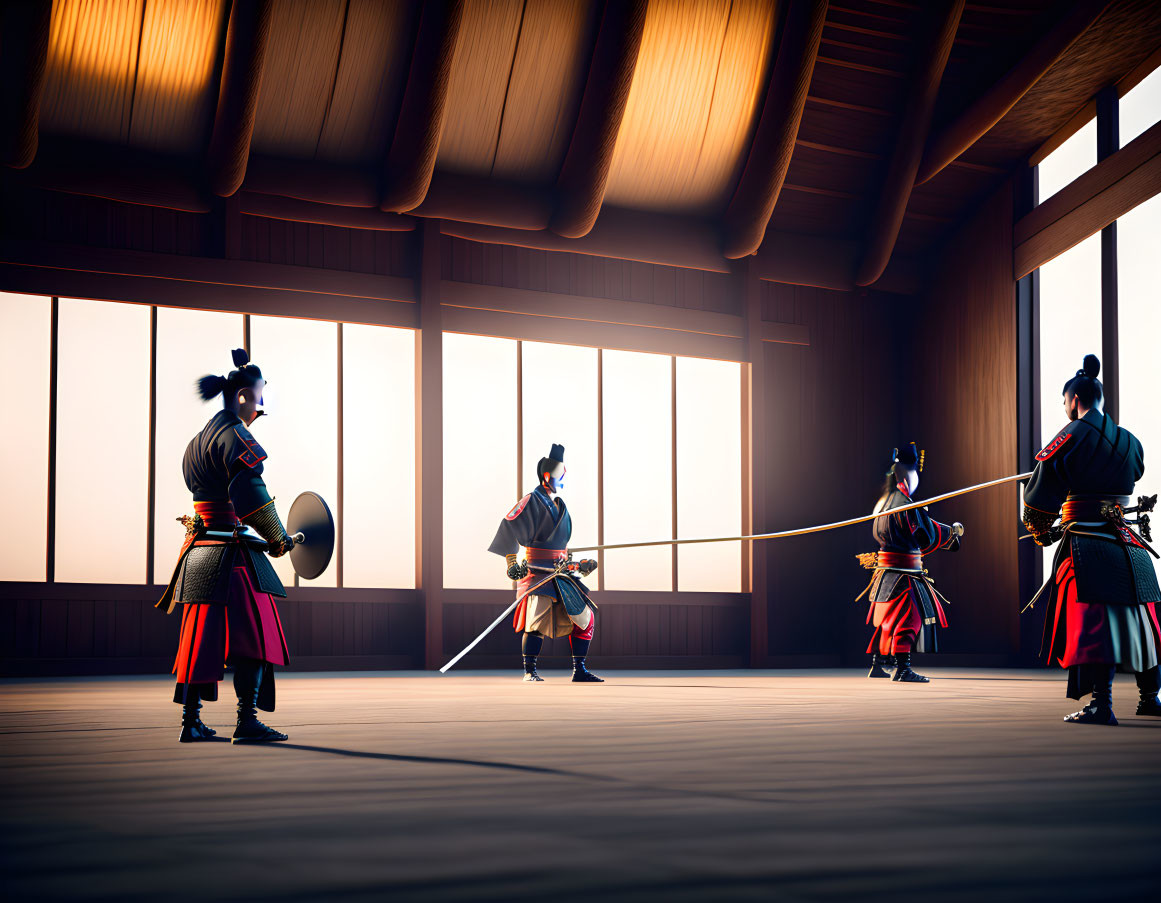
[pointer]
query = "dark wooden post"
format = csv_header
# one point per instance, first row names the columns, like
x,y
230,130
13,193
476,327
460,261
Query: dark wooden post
x,y
754,456
1108,143
429,444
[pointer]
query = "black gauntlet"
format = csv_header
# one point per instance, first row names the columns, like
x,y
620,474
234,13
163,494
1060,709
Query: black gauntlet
x,y
586,566
269,526
516,570
1039,524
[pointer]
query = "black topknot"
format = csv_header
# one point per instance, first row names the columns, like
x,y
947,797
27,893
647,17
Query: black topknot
x,y
1092,367
241,358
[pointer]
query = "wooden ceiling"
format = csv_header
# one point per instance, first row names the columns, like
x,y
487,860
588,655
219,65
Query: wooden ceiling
x,y
871,125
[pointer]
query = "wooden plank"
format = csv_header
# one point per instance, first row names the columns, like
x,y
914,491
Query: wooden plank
x,y
1095,199
429,445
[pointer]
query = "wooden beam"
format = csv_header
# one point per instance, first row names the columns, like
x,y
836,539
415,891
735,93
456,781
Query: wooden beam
x,y
316,181
912,135
296,211
429,444
116,173
23,54
795,259
243,58
1097,198
979,118
488,202
752,205
536,328
580,187
757,455
411,159
609,311
620,234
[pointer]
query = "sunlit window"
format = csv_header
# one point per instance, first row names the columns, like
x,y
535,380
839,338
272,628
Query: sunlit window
x,y
299,358
1070,328
1141,107
1139,320
102,442
378,457
190,344
638,468
560,407
25,339
709,473
479,456
1074,157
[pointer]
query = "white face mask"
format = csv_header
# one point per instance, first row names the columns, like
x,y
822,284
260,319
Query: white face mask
x,y
912,481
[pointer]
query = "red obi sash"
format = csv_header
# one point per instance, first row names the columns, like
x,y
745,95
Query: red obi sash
x,y
217,515
539,558
906,561
1090,509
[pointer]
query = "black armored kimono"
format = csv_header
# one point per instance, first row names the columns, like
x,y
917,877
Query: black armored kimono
x,y
222,575
906,610
561,607
1102,590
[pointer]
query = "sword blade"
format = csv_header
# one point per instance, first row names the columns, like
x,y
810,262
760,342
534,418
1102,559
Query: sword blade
x,y
507,611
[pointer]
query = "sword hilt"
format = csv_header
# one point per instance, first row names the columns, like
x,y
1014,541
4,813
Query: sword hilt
x,y
298,538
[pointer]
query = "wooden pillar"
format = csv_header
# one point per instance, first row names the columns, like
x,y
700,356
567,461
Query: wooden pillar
x,y
1108,143
429,444
755,456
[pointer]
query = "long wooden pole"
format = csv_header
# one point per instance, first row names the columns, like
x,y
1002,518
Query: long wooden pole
x,y
818,528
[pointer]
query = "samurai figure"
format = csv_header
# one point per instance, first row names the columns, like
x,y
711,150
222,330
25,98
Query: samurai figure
x,y
559,606
222,575
906,609
1102,592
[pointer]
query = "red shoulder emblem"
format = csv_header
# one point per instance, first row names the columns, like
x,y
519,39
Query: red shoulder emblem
x,y
515,512
252,452
1053,447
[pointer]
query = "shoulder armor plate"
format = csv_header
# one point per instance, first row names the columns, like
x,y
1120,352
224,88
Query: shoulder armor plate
x,y
515,512
252,452
1053,447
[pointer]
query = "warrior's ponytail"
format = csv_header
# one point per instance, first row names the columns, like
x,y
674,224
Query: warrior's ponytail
x,y
246,375
1085,385
211,386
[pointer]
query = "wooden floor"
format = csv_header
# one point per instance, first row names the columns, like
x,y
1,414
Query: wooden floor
x,y
653,786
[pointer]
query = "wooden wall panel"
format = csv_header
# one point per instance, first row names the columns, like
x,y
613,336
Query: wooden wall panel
x,y
965,416
834,418
582,274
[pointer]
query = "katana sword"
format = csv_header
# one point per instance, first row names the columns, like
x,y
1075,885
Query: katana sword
x,y
559,569
780,534
818,528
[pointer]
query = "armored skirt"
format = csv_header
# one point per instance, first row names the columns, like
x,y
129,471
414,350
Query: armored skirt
x,y
228,591
561,606
1102,605
906,611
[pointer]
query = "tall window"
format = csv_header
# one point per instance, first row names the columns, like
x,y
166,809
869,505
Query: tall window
x,y
479,455
1073,158
569,396
190,344
25,346
102,442
299,358
1140,108
378,456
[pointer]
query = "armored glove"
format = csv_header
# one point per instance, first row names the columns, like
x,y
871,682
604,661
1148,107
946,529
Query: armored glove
x,y
586,566
517,570
1039,524
268,525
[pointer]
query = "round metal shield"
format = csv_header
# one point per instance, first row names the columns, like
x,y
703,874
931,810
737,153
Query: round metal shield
x,y
310,516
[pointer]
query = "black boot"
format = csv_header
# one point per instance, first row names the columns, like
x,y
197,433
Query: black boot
x,y
581,674
903,670
1148,683
192,729
881,665
1100,679
247,681
531,646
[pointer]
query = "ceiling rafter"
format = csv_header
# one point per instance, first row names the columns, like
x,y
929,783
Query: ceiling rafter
x,y
245,51
580,187
982,115
750,209
23,56
892,204
411,159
